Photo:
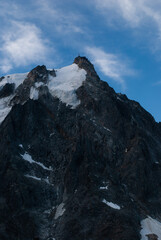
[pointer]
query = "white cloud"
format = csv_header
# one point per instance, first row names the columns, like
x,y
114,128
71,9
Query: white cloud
x,y
22,45
134,13
109,64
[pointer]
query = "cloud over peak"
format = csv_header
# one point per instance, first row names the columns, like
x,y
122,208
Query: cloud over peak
x,y
22,45
110,65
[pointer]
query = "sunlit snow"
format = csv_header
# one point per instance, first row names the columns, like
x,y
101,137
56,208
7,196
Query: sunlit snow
x,y
150,226
64,85
66,82
17,79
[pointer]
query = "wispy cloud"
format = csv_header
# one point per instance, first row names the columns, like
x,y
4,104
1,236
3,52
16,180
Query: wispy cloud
x,y
22,45
134,12
157,83
110,65
64,20
30,32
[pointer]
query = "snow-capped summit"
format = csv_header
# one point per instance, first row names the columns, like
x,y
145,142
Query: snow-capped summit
x,y
63,85
77,160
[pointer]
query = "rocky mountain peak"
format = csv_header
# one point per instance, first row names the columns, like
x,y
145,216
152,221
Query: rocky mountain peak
x,y
39,74
77,160
84,63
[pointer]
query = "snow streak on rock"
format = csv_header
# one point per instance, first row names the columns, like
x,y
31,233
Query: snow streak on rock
x,y
112,205
28,158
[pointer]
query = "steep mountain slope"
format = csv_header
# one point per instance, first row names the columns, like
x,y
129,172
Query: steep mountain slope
x,y
77,160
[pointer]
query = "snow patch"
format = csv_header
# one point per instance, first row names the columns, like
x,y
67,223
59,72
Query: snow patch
x,y
120,99
39,84
112,205
34,93
65,84
59,211
51,134
104,188
150,226
17,79
28,158
107,129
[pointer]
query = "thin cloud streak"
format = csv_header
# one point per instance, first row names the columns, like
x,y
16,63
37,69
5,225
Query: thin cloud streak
x,y
138,14
134,12
63,20
24,33
157,83
110,65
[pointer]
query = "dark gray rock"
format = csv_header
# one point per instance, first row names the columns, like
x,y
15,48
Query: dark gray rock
x,y
108,148
7,90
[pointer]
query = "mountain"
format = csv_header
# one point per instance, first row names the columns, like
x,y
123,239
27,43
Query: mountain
x,y
77,160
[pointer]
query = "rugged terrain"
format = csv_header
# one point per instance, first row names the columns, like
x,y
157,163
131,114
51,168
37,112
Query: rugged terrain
x,y
77,160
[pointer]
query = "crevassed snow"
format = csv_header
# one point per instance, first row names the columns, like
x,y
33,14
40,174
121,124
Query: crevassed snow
x,y
112,205
150,226
28,158
67,81
34,93
17,79
59,211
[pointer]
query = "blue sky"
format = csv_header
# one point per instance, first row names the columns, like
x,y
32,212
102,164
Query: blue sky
x,y
122,38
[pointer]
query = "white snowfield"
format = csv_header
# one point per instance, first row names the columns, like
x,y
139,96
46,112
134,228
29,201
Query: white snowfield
x,y
64,85
67,81
17,79
112,205
150,226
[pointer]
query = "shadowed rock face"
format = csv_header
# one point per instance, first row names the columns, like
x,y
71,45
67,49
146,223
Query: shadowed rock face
x,y
93,172
6,90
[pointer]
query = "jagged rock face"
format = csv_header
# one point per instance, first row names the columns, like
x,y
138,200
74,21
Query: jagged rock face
x,y
92,171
